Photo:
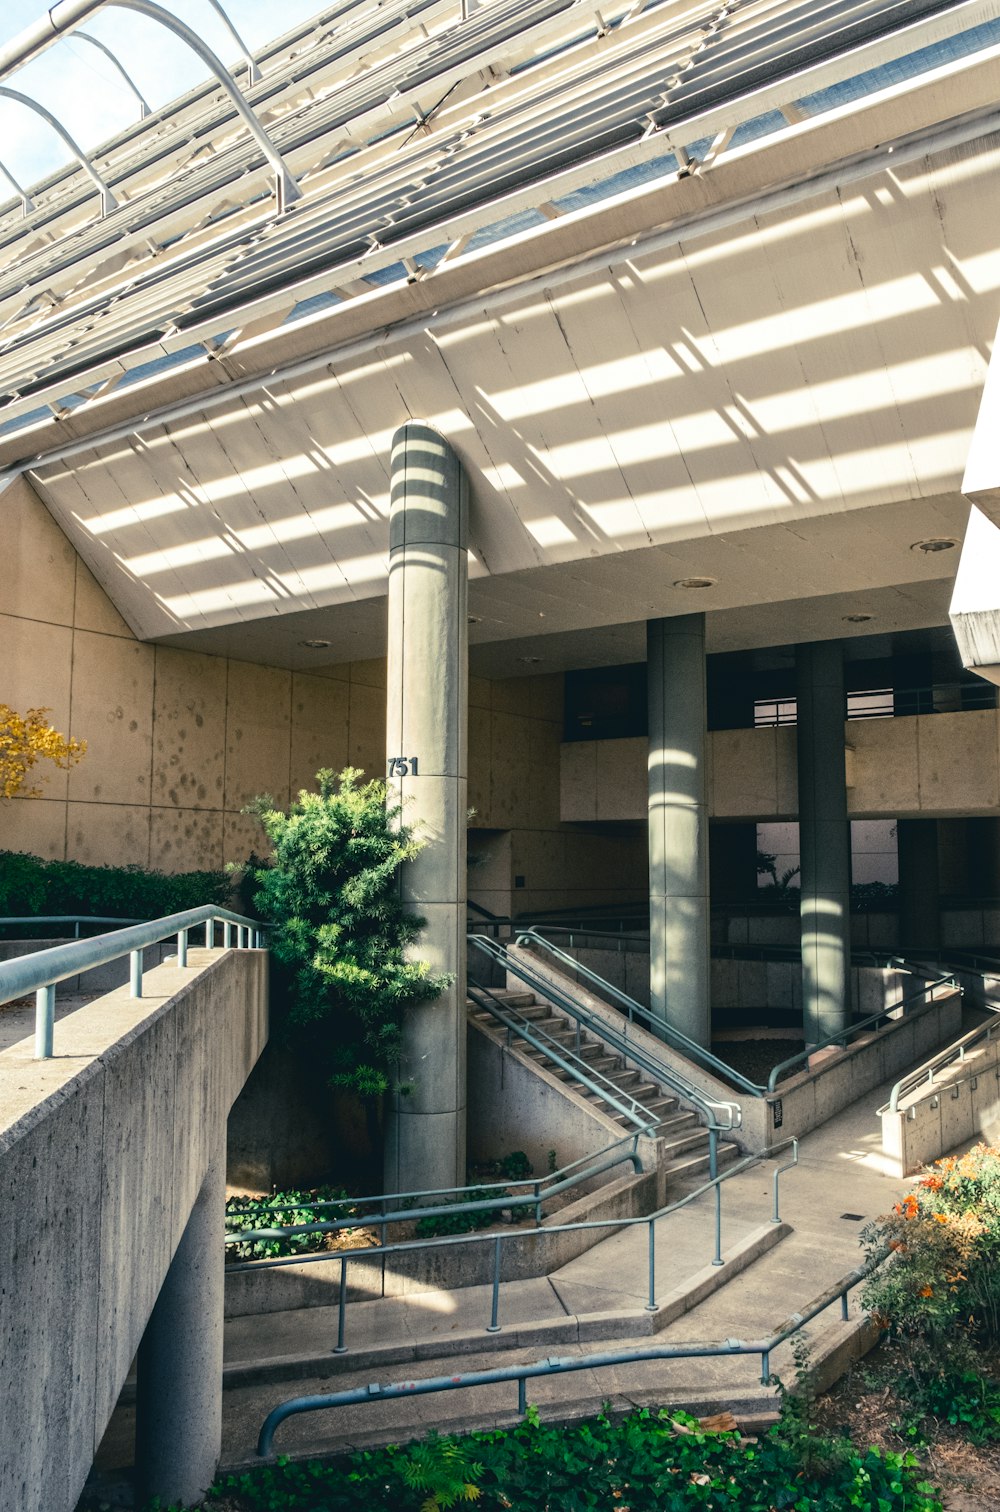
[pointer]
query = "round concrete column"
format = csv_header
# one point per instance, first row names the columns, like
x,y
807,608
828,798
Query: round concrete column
x,y
178,1428
426,747
678,826
824,840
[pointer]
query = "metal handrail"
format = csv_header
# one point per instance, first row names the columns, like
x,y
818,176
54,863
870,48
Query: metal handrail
x,y
10,921
839,1291
40,971
497,1240
635,1011
659,1070
871,1021
955,1052
594,1082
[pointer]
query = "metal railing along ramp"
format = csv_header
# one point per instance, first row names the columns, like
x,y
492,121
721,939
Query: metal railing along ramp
x,y
41,971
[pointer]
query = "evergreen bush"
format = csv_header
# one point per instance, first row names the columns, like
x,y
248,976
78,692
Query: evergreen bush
x,y
340,934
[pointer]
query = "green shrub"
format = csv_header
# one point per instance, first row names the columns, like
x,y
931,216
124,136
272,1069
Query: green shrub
x,y
283,1210
340,930
648,1461
944,1241
29,885
461,1223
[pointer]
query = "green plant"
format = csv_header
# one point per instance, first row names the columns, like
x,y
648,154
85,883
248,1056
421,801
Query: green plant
x,y
340,932
442,1468
283,1210
30,885
944,1244
516,1166
552,1161
460,1223
647,1461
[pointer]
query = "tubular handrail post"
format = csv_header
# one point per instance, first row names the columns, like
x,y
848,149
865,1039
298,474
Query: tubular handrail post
x,y
341,1347
45,1013
135,974
209,934
182,947
227,935
776,1217
651,1303
493,1326
717,1257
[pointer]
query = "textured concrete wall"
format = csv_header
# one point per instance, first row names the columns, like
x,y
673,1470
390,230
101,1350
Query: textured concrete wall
x,y
103,1150
179,742
924,766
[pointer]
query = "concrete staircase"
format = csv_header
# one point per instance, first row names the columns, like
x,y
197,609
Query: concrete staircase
x,y
682,1139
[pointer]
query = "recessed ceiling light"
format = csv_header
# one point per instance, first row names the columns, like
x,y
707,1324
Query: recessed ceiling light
x,y
857,619
935,543
529,661
315,645
695,582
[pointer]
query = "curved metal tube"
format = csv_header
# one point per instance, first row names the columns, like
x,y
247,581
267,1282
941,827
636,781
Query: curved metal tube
x,y
252,73
27,204
144,107
287,189
108,200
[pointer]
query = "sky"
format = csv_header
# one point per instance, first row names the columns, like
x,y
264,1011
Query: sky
x,y
80,86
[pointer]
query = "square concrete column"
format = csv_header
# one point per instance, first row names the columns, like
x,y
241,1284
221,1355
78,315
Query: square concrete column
x,y
678,826
426,749
919,885
824,840
178,1424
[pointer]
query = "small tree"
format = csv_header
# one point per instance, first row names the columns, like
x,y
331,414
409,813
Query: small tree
x,y
26,739
339,929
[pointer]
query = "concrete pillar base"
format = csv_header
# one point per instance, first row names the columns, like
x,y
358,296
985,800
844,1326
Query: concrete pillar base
x,y
178,1433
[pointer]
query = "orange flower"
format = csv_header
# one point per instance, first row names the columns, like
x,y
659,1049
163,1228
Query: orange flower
x,y
940,1217
932,1183
926,1291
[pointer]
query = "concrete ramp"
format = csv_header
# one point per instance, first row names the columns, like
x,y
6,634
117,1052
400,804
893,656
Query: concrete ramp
x,y
106,1150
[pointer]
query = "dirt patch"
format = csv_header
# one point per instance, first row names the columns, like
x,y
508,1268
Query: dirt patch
x,y
867,1406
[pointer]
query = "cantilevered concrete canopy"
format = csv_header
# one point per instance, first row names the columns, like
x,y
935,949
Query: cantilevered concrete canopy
x,y
743,343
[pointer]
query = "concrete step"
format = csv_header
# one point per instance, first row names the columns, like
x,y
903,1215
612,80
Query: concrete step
x,y
694,1161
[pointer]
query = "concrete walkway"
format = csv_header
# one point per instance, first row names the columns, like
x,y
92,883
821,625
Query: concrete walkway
x,y
596,1302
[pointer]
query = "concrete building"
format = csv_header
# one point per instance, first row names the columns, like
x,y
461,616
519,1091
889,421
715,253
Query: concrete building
x,y
697,305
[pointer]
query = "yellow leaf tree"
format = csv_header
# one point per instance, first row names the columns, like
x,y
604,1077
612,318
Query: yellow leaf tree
x,y
26,739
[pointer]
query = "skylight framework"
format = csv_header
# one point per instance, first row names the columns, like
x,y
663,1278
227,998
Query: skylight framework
x,y
414,132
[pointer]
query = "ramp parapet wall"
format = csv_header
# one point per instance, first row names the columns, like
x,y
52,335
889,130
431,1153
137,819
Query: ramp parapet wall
x,y
103,1151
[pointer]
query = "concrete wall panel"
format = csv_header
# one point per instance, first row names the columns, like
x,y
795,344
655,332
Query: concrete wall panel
x,y
113,712
39,578
320,716
189,730
95,832
257,734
